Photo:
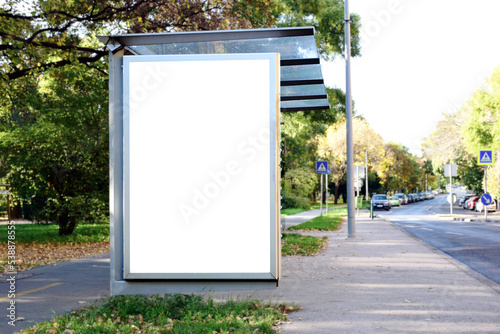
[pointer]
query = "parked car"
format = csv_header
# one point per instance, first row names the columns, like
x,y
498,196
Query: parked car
x,y
464,199
480,207
381,202
409,199
402,197
413,198
471,202
395,201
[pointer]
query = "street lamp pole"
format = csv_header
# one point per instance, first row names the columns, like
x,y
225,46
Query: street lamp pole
x,y
351,220
366,172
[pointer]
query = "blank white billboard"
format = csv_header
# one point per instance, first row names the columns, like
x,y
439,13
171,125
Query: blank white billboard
x,y
201,157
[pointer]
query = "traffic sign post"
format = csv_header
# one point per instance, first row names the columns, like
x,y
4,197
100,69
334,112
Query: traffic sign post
x,y
326,177
450,170
486,157
322,168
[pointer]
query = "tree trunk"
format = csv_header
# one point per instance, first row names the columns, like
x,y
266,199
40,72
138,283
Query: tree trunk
x,y
336,193
66,225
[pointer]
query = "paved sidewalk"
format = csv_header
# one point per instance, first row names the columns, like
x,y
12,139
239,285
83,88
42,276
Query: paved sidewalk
x,y
382,281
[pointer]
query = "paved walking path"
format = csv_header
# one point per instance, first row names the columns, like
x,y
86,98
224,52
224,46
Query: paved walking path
x,y
383,281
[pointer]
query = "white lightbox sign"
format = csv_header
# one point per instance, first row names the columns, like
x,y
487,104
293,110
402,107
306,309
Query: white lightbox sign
x,y
201,157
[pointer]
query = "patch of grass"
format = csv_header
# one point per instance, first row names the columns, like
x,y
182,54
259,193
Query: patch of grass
x,y
330,222
291,211
45,233
169,314
296,244
331,204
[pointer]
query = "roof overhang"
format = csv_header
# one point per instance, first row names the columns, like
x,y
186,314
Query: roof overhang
x,y
301,81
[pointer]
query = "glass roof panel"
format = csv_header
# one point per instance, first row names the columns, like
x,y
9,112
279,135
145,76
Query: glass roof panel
x,y
302,85
301,73
305,105
303,90
318,104
294,47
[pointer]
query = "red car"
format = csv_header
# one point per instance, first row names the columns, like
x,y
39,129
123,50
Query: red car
x,y
471,202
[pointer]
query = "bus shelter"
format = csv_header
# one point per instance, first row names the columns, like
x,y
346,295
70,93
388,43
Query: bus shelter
x,y
195,154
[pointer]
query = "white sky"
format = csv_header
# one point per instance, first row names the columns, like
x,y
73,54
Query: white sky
x,y
420,58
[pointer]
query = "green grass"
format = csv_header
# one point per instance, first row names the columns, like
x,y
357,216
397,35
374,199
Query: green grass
x,y
330,222
168,314
44,233
331,204
296,244
291,211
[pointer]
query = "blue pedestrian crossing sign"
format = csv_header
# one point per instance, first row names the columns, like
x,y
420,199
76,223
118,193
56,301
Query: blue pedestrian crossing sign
x,y
486,157
322,167
486,199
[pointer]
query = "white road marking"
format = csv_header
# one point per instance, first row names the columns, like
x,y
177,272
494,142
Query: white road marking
x,y
454,233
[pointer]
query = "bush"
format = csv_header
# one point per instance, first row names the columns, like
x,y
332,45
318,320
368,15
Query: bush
x,y
295,202
300,182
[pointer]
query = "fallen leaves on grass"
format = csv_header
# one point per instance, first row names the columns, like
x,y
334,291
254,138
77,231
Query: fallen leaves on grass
x,y
35,254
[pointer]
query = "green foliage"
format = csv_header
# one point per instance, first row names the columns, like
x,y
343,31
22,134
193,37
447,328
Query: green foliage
x,y
54,146
49,233
482,127
327,17
300,182
291,211
296,244
295,202
471,175
169,314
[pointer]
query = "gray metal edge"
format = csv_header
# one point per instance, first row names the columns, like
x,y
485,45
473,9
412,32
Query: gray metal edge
x,y
116,163
203,36
125,257
160,287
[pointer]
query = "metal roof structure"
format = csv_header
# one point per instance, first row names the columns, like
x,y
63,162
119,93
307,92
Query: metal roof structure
x,y
301,81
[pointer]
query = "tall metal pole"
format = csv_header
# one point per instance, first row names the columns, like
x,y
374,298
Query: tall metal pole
x,y
366,172
351,219
321,195
451,194
326,190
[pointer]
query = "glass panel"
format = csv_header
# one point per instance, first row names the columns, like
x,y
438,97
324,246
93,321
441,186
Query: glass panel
x,y
303,90
304,105
301,72
296,47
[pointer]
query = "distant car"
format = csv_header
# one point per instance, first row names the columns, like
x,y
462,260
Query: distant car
x,y
464,199
411,198
471,202
402,197
480,207
381,202
395,201
408,199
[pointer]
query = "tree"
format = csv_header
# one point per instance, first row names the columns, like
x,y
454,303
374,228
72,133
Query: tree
x,y
398,168
55,153
482,125
327,16
333,148
39,35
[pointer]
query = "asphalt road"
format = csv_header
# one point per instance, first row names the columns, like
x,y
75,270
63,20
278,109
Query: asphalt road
x,y
53,289
475,244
